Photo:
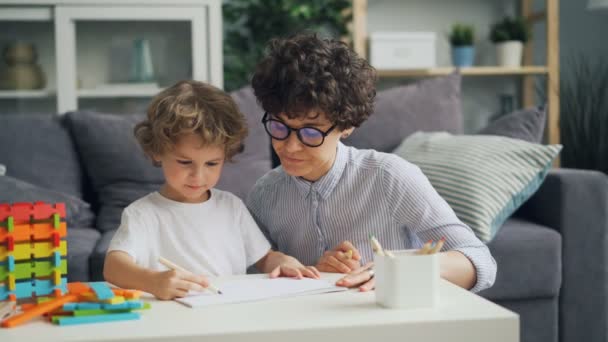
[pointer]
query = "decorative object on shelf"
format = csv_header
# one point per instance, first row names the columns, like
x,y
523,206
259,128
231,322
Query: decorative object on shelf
x,y
250,24
463,50
22,72
509,35
142,69
402,50
597,4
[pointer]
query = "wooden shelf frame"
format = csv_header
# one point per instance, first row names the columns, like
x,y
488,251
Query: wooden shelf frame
x,y
528,72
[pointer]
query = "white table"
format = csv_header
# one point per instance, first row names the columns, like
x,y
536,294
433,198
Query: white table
x,y
337,317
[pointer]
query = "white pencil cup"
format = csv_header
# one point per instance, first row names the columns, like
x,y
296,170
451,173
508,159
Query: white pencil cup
x,y
407,281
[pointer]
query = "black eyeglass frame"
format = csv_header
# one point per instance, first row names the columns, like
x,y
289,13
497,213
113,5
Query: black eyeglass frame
x,y
266,118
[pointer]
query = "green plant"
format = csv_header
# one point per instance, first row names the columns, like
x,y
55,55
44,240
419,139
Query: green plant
x,y
510,29
583,113
462,35
250,24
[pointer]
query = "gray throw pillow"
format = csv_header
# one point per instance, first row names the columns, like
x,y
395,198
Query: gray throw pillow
x,y
2,170
38,149
484,178
78,212
524,124
121,173
429,105
118,168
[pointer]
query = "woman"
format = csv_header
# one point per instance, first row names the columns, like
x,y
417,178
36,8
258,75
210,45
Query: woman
x,y
326,198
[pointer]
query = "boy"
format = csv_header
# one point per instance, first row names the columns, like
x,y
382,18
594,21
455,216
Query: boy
x,y
190,130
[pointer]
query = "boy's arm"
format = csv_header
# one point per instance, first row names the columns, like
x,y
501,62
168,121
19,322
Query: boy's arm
x,y
279,264
120,270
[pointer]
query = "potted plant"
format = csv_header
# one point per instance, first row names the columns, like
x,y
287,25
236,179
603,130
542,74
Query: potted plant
x,y
509,35
461,40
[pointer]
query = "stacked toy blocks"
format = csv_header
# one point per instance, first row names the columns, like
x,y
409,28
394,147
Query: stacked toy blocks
x,y
33,250
83,303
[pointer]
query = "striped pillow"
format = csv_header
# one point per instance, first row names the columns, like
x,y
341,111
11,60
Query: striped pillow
x,y
483,178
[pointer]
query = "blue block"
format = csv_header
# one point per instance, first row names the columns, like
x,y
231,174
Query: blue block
x,y
82,306
98,318
56,259
102,290
11,263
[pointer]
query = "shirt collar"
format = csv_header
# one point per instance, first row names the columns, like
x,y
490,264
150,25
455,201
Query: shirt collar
x,y
325,185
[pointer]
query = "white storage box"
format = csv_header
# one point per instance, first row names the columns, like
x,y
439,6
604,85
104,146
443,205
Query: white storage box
x,y
402,50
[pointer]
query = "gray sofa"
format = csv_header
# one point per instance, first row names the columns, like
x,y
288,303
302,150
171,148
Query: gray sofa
x,y
551,255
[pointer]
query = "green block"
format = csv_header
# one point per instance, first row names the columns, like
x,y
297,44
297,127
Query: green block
x,y
56,220
93,312
10,224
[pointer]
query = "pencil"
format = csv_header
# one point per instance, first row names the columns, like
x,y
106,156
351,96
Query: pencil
x,y
377,247
176,267
349,254
438,245
425,248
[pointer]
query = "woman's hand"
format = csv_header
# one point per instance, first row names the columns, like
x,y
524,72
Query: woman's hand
x,y
171,284
344,258
362,278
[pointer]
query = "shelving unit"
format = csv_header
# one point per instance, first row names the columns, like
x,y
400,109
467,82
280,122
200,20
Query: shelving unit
x,y
76,48
527,72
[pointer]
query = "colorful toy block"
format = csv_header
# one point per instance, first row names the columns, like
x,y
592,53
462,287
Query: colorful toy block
x,y
33,249
33,263
73,308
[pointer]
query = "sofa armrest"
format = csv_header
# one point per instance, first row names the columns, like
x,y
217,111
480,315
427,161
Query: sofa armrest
x,y
575,203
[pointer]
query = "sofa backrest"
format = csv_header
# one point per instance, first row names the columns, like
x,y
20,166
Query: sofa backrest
x,y
38,149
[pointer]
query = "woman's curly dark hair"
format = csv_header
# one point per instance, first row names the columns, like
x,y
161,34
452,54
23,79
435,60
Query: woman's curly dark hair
x,y
305,73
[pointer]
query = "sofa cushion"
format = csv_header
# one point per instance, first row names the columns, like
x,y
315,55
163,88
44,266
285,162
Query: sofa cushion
x,y
81,243
78,212
38,149
429,105
98,255
483,178
119,171
525,124
529,262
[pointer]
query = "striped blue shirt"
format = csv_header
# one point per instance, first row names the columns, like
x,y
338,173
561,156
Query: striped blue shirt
x,y
364,192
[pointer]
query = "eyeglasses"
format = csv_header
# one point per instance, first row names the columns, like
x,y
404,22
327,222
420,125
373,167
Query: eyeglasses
x,y
309,136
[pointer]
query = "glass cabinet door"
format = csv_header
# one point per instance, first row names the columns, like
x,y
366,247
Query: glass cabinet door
x,y
27,60
115,58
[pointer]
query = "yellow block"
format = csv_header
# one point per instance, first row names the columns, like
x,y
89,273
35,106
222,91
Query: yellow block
x,y
57,277
24,251
11,282
115,300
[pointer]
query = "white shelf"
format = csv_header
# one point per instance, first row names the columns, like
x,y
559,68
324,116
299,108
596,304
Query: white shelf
x,y
119,91
26,94
26,14
471,71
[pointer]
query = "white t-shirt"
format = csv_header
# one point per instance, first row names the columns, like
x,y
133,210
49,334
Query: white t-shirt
x,y
213,238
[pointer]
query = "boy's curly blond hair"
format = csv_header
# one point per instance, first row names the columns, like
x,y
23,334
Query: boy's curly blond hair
x,y
191,107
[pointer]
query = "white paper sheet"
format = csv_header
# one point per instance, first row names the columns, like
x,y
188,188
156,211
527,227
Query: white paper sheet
x,y
249,290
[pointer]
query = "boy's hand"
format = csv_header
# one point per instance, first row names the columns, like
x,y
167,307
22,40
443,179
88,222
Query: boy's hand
x,y
171,284
344,258
294,269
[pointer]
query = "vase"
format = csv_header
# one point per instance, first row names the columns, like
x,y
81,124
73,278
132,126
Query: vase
x,y
509,54
463,56
141,63
21,72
